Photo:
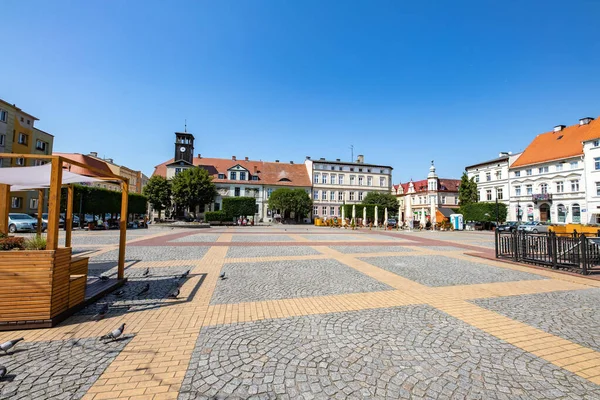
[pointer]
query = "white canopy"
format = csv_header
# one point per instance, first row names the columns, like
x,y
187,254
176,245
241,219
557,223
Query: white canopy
x,y
27,178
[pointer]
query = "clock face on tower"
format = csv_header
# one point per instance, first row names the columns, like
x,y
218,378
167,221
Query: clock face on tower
x,y
182,149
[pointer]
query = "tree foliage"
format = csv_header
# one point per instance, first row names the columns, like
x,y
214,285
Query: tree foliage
x,y
99,201
467,191
216,216
158,192
382,200
484,212
291,200
235,207
193,187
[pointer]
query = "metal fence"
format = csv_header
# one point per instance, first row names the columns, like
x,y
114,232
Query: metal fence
x,y
575,252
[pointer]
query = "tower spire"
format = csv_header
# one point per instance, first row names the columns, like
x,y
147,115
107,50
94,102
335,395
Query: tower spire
x,y
185,125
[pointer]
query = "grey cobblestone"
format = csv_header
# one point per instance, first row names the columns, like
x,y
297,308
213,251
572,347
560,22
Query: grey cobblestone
x,y
261,238
269,251
197,238
447,271
370,249
155,253
272,280
413,351
346,237
572,315
62,369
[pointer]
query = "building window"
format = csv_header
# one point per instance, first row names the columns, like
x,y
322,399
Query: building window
x,y
352,179
324,195
41,162
33,204
443,199
360,196
574,164
315,211
517,190
499,194
340,196
542,170
543,188
332,195
324,178
16,202
528,172
559,167
20,161
575,185
488,176
254,177
529,189
221,176
237,192
351,169
562,213
597,163
517,174
3,115
369,181
597,188
560,187
2,140
269,192
596,143
22,138
477,178
324,210
498,175
233,175
576,211
478,196
488,194
332,180
242,175
351,196
316,195
332,211
341,179
382,181
40,145
316,178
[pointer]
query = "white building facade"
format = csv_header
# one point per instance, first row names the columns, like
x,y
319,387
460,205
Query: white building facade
x,y
335,183
492,178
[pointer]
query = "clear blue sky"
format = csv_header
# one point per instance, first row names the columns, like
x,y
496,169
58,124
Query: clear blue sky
x,y
404,82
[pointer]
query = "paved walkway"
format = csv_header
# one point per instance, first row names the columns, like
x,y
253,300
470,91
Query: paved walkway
x,y
321,313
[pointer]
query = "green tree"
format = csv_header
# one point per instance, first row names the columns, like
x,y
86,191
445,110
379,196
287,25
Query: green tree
x,y
193,187
382,200
291,200
158,192
467,191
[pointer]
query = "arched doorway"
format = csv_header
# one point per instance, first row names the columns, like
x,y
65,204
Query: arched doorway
x,y
576,212
544,212
562,213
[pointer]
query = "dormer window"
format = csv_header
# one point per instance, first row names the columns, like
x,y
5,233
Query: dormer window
x,y
233,175
284,180
254,177
221,176
242,175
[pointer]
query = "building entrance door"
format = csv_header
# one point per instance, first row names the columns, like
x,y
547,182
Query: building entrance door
x,y
544,212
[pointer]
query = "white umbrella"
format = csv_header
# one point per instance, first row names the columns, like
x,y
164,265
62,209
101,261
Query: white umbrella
x,y
343,216
376,217
364,216
385,218
354,213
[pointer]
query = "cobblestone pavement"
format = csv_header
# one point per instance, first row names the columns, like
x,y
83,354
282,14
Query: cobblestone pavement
x,y
290,279
446,271
388,353
572,315
364,314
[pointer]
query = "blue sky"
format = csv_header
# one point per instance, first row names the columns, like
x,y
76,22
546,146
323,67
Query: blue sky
x,y
404,82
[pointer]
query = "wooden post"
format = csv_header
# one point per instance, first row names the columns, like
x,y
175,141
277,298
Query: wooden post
x,y
69,216
54,204
123,228
40,211
4,207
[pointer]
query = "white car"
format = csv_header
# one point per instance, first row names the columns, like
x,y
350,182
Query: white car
x,y
18,222
534,227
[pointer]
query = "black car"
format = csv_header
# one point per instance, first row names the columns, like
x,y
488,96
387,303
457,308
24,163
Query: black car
x,y
509,226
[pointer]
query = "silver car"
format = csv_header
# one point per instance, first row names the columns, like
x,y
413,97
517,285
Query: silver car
x,y
18,222
535,227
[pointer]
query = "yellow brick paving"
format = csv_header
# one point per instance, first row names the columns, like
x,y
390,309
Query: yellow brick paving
x,y
154,362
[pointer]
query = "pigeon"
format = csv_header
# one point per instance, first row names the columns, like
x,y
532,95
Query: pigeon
x,y
102,312
114,334
144,290
2,371
104,278
120,293
5,347
185,274
222,276
174,294
146,272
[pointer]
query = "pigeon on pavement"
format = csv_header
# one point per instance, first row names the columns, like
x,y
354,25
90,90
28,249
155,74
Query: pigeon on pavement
x,y
2,371
174,294
102,312
146,272
144,290
222,276
114,334
120,293
5,347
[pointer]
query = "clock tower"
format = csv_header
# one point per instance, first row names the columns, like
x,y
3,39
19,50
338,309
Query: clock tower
x,y
184,147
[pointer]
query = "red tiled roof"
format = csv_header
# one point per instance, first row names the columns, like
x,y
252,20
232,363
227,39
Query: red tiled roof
x,y
558,145
269,173
444,185
92,162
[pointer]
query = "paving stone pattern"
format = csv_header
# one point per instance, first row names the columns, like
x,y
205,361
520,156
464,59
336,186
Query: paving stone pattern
x,y
370,249
155,253
61,369
572,315
335,237
269,251
433,270
290,279
405,352
198,238
261,238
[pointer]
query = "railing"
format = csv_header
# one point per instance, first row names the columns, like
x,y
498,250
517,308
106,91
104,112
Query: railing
x,y
575,252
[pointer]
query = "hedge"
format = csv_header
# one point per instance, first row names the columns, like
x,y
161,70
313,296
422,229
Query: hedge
x,y
477,212
95,200
370,211
235,207
214,216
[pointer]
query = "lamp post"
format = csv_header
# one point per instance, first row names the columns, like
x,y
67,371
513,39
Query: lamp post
x,y
497,212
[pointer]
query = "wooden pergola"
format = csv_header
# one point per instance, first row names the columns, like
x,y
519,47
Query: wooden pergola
x,y
54,194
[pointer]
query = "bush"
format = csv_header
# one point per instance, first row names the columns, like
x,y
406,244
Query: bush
x,y
11,242
235,207
214,216
37,242
477,212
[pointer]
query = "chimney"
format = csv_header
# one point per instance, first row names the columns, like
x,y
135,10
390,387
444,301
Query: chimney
x,y
255,169
199,155
322,159
246,158
585,121
559,128
360,159
93,154
276,160
291,162
503,154
110,160
233,158
337,159
308,157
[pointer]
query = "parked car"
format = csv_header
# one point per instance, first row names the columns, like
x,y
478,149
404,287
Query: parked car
x,y
536,227
61,222
75,220
18,222
391,222
508,226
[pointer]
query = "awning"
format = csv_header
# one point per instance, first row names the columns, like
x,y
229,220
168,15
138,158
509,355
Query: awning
x,y
28,178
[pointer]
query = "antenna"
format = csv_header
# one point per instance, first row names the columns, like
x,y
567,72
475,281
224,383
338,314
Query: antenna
x,y
351,153
185,126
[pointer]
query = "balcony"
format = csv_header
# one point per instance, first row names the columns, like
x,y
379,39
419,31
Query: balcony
x,y
541,197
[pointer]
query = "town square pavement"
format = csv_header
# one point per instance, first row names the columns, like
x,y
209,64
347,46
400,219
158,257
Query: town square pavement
x,y
315,313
